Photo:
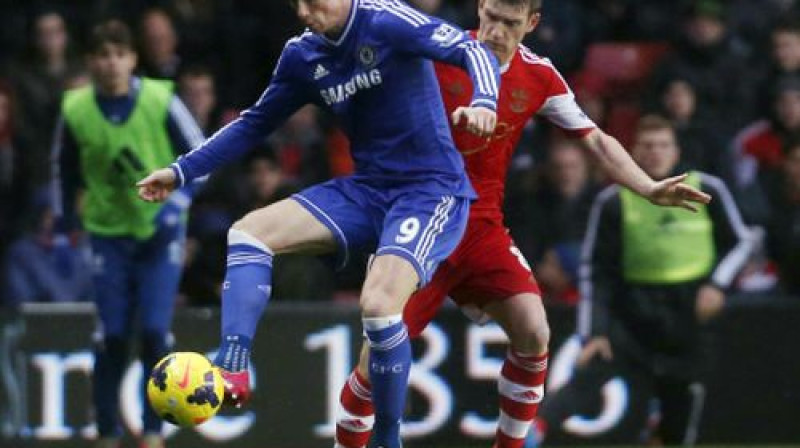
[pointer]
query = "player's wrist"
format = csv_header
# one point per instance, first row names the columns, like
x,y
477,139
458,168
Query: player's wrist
x,y
487,103
177,171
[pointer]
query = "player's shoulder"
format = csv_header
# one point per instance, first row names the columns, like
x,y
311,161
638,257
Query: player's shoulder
x,y
533,63
304,41
391,12
300,48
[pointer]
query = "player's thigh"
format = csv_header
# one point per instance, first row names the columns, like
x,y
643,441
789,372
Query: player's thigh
x,y
425,303
111,278
498,270
158,274
524,320
500,284
390,281
424,230
287,227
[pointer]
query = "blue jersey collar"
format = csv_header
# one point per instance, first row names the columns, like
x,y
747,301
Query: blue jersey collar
x,y
350,19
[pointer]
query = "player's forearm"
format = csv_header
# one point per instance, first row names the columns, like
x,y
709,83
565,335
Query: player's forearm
x,y
618,163
482,67
228,144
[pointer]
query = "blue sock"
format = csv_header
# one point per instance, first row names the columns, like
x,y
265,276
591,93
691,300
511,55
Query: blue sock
x,y
245,293
389,366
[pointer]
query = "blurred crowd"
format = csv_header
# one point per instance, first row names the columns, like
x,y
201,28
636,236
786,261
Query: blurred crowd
x,y
725,73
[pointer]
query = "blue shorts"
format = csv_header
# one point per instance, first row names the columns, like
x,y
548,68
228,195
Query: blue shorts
x,y
421,227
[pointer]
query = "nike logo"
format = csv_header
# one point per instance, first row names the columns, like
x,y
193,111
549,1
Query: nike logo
x,y
185,380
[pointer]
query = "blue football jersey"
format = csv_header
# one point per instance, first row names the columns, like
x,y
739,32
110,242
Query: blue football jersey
x,y
378,79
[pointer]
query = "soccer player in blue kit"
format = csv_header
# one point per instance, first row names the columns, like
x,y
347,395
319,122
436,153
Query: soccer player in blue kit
x,y
368,62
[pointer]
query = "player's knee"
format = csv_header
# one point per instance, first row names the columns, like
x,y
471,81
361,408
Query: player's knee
x,y
531,339
375,302
238,234
531,333
379,299
245,225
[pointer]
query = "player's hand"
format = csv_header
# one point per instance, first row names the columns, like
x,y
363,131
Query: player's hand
x,y
673,192
157,186
478,120
597,346
709,303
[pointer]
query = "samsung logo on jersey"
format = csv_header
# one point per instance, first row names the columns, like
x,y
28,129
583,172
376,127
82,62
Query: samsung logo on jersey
x,y
341,92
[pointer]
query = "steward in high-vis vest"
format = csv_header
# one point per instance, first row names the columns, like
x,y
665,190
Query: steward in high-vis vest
x,y
650,278
110,134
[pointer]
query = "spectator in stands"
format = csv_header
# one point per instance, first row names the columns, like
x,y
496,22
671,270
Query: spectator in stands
x,y
714,61
427,6
701,139
611,20
754,21
650,278
159,43
560,35
198,23
300,147
783,231
554,213
14,183
38,80
197,89
784,59
758,149
297,277
43,266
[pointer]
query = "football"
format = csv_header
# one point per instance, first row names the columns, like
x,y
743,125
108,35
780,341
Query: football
x,y
185,389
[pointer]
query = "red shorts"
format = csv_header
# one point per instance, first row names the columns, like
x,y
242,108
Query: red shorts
x,y
485,267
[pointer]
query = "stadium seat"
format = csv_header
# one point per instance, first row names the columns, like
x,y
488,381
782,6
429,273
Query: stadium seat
x,y
623,67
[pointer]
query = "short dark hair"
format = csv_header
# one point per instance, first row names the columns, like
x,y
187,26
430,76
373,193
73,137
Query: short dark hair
x,y
196,71
113,32
533,5
650,123
787,25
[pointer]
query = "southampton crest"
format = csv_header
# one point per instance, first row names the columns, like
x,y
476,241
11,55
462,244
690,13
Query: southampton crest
x,y
519,100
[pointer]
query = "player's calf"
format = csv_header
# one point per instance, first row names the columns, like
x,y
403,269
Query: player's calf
x,y
245,293
522,377
388,285
355,416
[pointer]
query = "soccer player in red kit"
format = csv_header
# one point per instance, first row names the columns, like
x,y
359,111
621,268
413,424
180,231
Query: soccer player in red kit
x,y
487,272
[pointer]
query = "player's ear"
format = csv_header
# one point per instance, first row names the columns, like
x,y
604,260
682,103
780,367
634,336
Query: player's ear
x,y
533,21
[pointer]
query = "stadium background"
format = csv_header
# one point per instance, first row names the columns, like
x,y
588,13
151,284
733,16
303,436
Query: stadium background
x,y
717,69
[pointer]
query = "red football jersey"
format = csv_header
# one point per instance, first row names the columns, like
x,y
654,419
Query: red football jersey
x,y
529,85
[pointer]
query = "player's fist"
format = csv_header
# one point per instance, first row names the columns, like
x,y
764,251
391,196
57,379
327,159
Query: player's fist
x,y
157,185
478,120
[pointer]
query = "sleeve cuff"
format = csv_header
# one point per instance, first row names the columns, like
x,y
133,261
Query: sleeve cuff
x,y
176,168
484,102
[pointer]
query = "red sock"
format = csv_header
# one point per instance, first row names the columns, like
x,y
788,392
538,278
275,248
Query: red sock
x,y
356,415
521,387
